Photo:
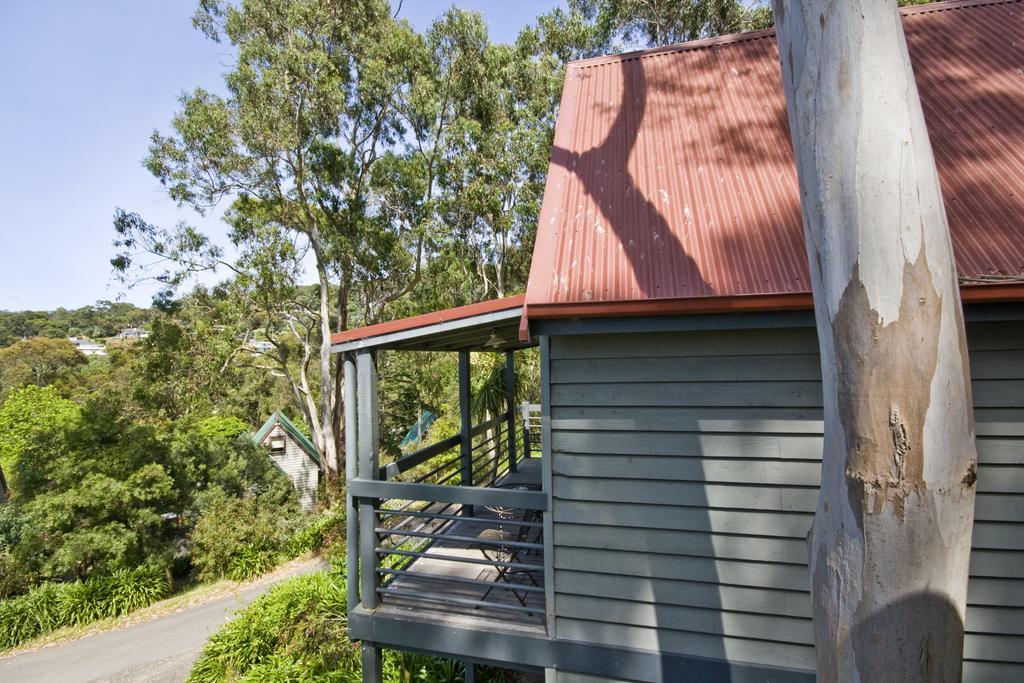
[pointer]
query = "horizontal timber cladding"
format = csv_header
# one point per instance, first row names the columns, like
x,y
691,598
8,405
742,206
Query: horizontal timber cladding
x,y
685,468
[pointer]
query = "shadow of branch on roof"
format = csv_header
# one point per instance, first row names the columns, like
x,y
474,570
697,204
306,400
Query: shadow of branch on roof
x,y
657,258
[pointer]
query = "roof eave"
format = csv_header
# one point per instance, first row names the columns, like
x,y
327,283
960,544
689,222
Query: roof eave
x,y
791,301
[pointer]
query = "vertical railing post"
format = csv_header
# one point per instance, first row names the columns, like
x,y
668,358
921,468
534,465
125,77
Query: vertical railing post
x,y
368,444
351,472
369,427
524,409
510,402
466,426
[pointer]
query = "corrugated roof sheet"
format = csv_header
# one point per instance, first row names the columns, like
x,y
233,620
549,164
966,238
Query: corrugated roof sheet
x,y
428,319
672,184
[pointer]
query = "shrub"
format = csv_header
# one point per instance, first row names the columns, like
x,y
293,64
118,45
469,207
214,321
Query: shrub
x,y
129,590
297,633
53,605
297,627
12,577
252,561
326,528
83,602
236,536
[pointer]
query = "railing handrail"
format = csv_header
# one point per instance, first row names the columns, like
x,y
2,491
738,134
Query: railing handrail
x,y
435,493
416,458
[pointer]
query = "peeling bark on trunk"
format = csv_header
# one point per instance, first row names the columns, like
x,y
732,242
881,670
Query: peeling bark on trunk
x,y
891,538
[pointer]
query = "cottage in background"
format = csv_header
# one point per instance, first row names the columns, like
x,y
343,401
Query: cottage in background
x,y
295,454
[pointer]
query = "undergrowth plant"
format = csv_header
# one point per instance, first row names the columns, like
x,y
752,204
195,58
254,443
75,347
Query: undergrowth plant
x,y
252,561
298,632
54,605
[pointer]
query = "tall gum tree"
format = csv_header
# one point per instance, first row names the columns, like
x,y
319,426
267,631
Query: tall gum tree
x,y
891,538
292,145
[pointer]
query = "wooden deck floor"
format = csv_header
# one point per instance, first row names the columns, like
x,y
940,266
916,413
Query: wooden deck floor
x,y
444,604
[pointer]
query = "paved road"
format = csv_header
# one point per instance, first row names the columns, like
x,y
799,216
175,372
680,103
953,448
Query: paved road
x,y
157,651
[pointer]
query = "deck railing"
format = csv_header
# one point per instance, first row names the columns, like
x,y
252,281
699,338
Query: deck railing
x,y
457,525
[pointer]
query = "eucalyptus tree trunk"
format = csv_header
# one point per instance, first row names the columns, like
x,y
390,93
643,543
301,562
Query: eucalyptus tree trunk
x,y
891,538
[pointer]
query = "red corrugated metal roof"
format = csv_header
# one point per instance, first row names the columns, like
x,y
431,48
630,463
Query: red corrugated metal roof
x,y
672,185
417,321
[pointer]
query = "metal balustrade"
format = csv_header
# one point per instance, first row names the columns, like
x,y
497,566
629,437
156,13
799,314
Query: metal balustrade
x,y
457,527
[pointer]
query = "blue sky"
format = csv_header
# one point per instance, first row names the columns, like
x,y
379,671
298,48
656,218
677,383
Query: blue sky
x,y
83,86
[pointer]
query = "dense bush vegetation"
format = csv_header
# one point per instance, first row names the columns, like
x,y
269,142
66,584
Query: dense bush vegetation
x,y
106,492
100,491
54,605
326,531
241,538
298,626
297,632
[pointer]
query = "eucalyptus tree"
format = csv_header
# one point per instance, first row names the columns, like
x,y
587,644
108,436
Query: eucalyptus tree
x,y
661,22
292,146
891,538
652,23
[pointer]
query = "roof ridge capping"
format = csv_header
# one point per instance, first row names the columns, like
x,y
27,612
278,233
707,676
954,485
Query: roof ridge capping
x,y
734,38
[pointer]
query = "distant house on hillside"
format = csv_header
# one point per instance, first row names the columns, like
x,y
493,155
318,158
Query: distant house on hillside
x,y
294,453
260,345
133,333
88,348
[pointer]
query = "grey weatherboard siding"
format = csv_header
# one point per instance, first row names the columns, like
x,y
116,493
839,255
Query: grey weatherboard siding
x,y
685,468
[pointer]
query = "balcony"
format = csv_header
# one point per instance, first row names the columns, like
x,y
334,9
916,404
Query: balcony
x,y
452,534
444,556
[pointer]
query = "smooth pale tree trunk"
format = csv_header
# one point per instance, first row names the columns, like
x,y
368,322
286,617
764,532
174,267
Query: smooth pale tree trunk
x,y
329,448
891,538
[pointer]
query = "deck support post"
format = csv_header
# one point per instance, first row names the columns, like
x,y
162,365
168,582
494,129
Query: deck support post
x,y
470,671
373,665
369,443
510,402
351,471
466,425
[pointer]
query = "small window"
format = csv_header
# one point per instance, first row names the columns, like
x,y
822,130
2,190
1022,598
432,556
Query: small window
x,y
277,444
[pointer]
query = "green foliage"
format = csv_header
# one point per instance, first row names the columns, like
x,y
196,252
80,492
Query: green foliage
x,y
240,537
327,529
222,427
12,581
630,24
297,631
54,605
638,24
252,561
298,627
37,361
28,415
129,590
108,493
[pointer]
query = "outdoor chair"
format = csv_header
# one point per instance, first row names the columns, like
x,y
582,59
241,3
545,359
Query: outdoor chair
x,y
501,545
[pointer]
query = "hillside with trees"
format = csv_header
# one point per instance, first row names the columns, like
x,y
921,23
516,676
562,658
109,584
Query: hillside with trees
x,y
102,320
